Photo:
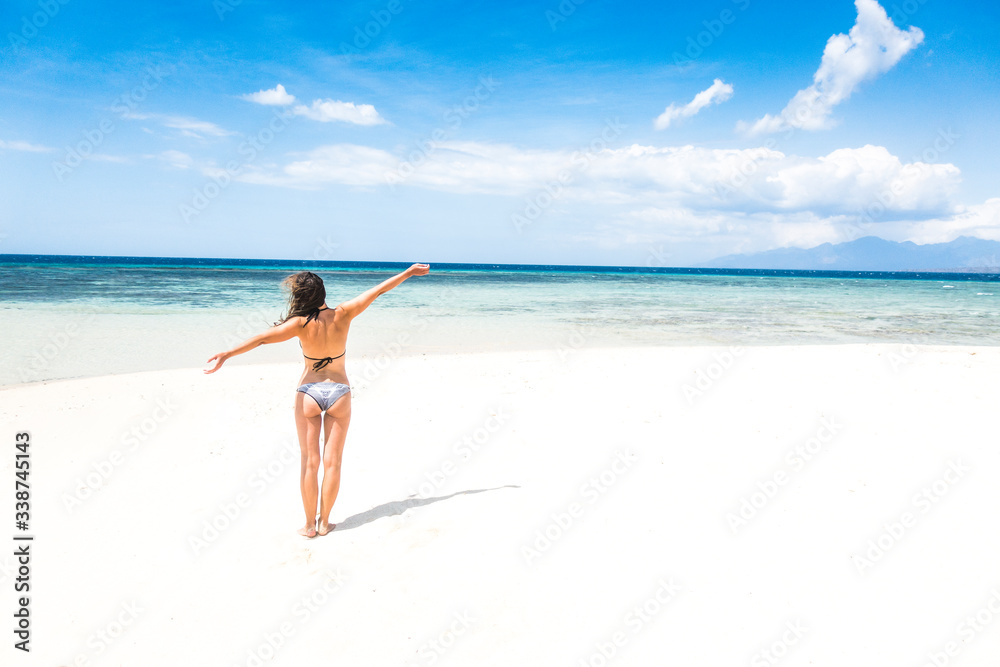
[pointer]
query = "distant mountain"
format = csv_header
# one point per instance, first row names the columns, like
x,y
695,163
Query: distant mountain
x,y
870,253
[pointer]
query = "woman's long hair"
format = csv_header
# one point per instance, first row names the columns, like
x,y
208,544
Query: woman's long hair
x,y
306,295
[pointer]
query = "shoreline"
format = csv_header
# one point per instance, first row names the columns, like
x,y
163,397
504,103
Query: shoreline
x,y
565,349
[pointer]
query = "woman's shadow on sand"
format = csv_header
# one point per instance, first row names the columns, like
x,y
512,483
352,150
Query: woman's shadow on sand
x,y
400,506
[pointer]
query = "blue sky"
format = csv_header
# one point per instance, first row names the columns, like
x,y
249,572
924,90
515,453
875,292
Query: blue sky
x,y
495,132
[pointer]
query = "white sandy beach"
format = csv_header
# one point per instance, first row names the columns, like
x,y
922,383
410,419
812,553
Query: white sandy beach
x,y
556,507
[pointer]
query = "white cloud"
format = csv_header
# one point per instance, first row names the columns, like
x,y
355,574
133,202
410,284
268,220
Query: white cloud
x,y
24,146
705,235
461,167
848,181
105,157
716,93
278,96
346,164
869,177
329,110
188,127
712,201
681,236
175,159
980,220
192,127
873,46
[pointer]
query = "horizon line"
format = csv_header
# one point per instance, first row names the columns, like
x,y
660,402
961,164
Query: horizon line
x,y
221,262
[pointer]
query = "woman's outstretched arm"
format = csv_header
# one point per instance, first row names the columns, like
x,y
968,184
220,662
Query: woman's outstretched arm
x,y
276,334
357,305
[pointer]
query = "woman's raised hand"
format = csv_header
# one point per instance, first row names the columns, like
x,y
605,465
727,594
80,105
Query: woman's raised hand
x,y
419,269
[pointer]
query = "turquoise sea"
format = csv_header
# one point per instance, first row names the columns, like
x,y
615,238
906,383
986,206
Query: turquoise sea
x,y
73,316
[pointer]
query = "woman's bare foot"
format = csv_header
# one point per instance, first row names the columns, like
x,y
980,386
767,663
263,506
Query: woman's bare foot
x,y
307,531
329,529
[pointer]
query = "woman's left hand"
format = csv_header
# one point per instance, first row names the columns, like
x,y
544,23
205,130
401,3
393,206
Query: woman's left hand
x,y
219,359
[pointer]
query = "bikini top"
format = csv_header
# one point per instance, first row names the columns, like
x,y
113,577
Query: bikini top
x,y
320,363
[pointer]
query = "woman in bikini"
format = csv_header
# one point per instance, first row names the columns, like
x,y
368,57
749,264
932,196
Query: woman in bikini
x,y
323,398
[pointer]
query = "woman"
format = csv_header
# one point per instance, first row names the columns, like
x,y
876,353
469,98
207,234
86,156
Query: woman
x,y
323,388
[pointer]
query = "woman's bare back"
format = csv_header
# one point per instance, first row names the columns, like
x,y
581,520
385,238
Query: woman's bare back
x,y
325,337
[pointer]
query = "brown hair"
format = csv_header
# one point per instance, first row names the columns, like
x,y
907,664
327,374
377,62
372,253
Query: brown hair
x,y
306,296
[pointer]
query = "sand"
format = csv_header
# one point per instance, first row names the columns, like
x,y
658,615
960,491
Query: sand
x,y
820,505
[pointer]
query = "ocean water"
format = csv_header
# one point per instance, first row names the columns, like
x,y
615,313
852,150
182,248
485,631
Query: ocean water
x,y
65,317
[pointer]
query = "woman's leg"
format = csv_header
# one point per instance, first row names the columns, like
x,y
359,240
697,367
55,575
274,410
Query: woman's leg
x,y
308,420
335,424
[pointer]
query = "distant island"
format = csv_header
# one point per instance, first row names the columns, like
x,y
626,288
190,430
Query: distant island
x,y
965,254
